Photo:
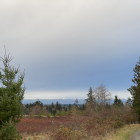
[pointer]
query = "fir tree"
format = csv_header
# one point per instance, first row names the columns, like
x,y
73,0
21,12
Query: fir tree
x,y
52,105
91,98
129,101
10,100
69,107
76,103
117,102
50,109
38,103
57,106
66,109
83,107
27,105
135,89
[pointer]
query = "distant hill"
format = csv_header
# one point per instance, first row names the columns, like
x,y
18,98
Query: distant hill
x,y
61,101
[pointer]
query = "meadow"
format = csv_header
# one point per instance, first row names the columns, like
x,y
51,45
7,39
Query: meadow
x,y
75,124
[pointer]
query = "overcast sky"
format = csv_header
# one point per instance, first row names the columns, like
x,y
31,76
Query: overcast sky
x,y
66,46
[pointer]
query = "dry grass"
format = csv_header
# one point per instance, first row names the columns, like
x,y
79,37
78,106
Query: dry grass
x,y
123,133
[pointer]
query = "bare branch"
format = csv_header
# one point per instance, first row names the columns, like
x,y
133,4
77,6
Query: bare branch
x,y
102,95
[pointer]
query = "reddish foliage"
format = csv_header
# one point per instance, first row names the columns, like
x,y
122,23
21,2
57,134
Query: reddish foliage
x,y
31,125
96,124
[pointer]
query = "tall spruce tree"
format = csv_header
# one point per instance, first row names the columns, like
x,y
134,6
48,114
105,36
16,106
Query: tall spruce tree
x,y
83,106
69,107
10,100
129,101
52,105
135,89
76,103
90,97
117,102
57,105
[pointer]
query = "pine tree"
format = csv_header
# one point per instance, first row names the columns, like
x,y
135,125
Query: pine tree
x,y
135,90
117,102
69,107
38,103
57,106
76,103
90,98
50,109
52,105
83,107
27,105
64,107
129,101
10,100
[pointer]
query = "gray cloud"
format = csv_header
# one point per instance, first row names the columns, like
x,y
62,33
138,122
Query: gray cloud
x,y
70,45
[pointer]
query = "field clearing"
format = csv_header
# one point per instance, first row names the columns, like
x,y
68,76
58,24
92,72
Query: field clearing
x,y
42,127
45,128
115,123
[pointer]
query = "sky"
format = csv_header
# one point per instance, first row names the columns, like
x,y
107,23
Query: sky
x,y
66,46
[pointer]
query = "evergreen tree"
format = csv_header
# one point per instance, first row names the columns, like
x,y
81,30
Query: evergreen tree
x,y
54,112
66,109
52,105
120,103
38,103
10,100
90,98
27,105
83,107
117,102
25,111
76,103
50,109
129,101
135,90
69,107
57,106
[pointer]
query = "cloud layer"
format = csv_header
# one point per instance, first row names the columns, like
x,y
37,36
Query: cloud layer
x,y
67,46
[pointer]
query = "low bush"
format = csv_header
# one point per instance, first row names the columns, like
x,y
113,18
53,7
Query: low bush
x,y
9,132
82,124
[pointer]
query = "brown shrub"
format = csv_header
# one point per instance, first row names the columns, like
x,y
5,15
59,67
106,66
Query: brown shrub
x,y
37,110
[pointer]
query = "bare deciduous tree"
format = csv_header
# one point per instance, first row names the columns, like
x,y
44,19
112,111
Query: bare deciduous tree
x,y
102,95
98,97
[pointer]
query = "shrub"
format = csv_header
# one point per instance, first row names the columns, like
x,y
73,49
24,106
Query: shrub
x,y
48,115
8,131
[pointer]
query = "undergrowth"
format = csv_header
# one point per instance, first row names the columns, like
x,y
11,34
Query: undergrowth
x,y
77,124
